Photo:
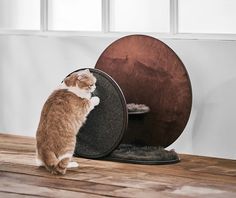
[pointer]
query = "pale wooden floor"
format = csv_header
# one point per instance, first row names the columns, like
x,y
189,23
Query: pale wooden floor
x,y
192,177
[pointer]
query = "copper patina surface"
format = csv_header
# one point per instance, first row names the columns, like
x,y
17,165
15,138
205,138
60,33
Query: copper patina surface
x,y
149,72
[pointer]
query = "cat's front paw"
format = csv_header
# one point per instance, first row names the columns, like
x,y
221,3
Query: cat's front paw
x,y
72,165
95,100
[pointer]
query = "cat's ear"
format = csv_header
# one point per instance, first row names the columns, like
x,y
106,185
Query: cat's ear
x,y
82,74
87,71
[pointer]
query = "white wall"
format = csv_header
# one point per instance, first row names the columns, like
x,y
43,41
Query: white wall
x,y
32,66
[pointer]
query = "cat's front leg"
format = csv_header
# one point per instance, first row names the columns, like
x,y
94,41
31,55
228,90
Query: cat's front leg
x,y
95,101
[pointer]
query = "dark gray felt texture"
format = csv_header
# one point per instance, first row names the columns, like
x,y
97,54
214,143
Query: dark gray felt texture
x,y
106,124
143,154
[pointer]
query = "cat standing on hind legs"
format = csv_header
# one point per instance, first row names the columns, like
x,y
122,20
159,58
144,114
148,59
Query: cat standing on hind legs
x,y
62,116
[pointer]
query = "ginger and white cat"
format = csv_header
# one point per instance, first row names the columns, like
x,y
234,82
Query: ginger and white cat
x,y
63,114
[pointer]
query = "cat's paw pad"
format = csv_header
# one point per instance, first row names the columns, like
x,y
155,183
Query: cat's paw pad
x,y
95,100
73,165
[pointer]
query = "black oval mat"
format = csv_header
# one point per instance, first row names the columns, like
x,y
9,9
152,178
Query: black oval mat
x,y
105,124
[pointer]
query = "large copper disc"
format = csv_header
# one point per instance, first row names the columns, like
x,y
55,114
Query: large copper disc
x,y
149,72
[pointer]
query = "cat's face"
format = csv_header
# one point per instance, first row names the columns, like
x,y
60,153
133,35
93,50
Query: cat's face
x,y
84,80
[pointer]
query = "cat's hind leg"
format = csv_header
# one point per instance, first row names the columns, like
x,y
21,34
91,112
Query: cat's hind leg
x,y
39,162
64,163
50,161
70,164
61,167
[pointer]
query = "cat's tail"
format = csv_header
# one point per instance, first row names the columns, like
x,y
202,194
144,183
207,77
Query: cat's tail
x,y
54,165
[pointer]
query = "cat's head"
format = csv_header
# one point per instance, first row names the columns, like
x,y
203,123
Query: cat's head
x,y
83,79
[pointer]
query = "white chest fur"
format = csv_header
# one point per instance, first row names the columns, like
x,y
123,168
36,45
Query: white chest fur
x,y
77,91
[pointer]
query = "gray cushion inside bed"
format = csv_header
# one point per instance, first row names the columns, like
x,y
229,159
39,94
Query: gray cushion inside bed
x,y
105,125
143,154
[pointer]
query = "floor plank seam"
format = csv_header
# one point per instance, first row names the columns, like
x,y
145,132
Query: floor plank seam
x,y
23,194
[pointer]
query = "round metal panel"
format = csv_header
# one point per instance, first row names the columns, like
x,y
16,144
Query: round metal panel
x,y
150,73
106,123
